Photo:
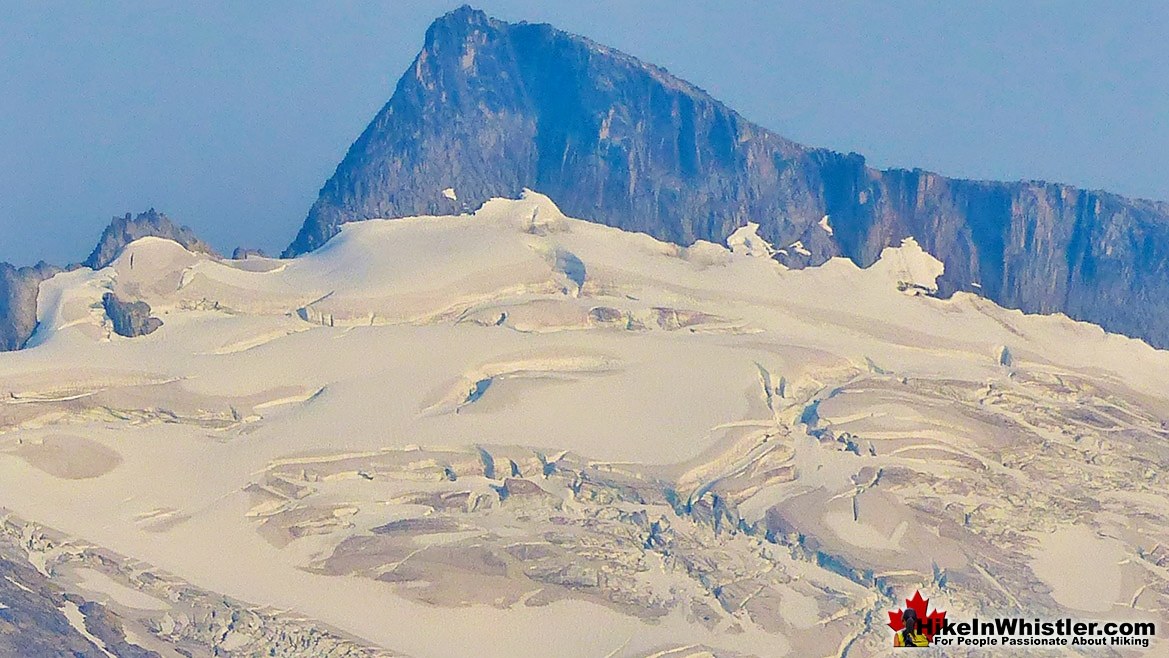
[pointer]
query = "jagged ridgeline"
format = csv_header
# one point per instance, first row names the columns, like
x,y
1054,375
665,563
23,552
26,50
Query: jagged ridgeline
x,y
489,108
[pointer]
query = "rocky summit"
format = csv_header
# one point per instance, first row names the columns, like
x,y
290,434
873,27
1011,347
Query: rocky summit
x,y
19,286
124,230
489,108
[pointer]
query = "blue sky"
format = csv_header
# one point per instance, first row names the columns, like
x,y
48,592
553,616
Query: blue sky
x,y
230,116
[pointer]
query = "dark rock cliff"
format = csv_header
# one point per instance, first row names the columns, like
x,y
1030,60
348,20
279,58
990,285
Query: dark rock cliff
x,y
489,108
18,302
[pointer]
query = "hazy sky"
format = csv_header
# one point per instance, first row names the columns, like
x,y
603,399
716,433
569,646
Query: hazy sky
x,y
230,116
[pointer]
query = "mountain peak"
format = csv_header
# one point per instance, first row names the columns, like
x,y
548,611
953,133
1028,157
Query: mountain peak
x,y
449,33
466,15
19,286
124,230
489,108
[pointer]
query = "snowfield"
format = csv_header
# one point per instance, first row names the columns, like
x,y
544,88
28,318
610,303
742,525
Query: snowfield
x,y
515,433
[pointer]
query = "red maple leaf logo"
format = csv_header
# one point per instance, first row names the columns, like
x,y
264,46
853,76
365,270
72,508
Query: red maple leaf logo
x,y
930,623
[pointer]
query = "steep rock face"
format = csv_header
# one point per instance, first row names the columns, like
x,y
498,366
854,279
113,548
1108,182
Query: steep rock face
x,y
489,108
124,230
130,319
18,302
1034,246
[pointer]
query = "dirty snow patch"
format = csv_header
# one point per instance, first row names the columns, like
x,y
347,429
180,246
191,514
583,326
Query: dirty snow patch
x,y
910,265
450,194
746,241
825,225
1081,567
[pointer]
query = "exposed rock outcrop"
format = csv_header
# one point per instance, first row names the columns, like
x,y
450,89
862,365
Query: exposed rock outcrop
x,y
35,609
19,286
489,108
130,319
18,302
32,619
243,253
124,230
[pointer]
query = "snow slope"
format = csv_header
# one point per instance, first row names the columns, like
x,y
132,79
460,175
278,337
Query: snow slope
x,y
448,436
